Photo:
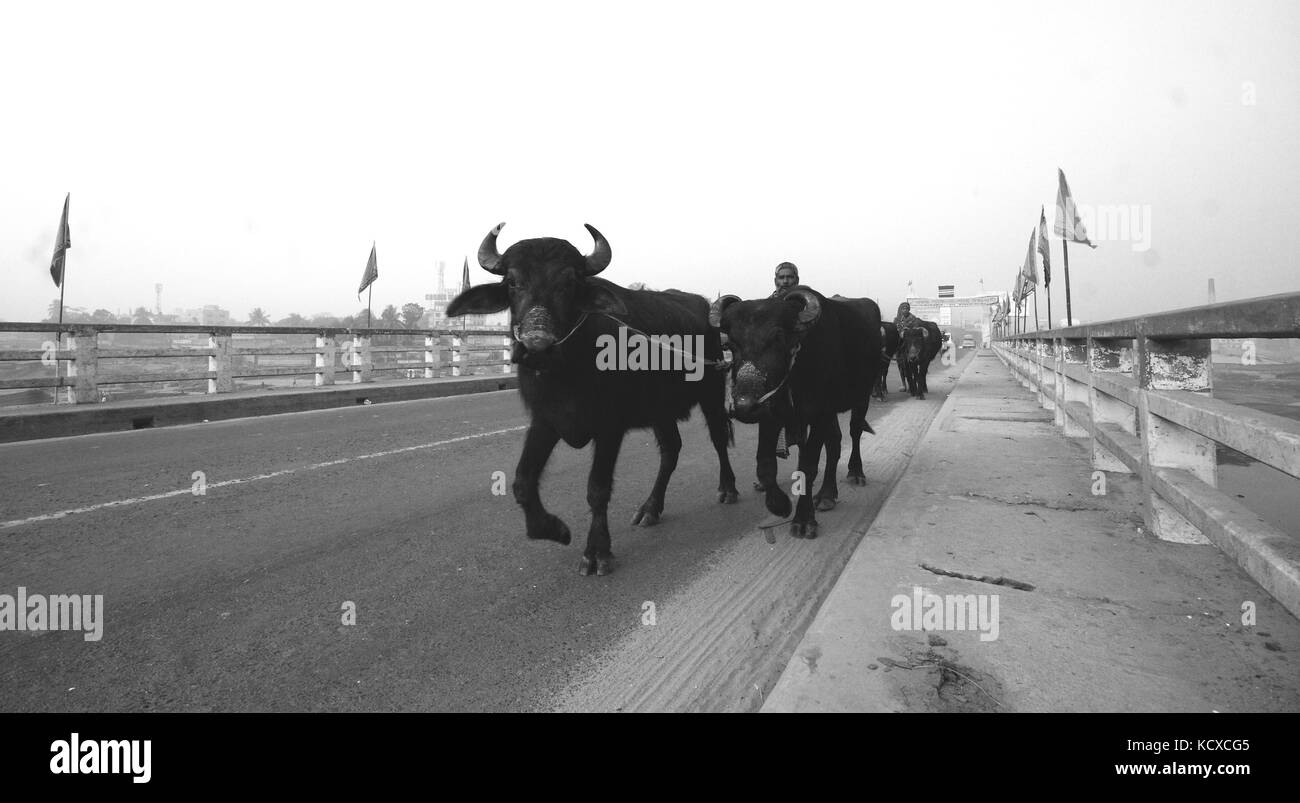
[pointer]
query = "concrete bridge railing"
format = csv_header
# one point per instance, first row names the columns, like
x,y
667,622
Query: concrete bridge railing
x,y
1141,391
75,356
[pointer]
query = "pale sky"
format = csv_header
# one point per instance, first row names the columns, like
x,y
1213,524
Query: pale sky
x,y
248,154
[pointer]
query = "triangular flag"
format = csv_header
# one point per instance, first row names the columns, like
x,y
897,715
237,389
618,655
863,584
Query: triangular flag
x,y
464,276
62,242
1043,248
1068,226
1030,270
372,272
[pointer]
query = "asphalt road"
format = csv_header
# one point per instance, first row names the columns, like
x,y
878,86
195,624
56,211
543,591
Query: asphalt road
x,y
233,600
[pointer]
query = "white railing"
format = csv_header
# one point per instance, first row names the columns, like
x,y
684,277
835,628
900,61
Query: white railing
x,y
1141,390
74,356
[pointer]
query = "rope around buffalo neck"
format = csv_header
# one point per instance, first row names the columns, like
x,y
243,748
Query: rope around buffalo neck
x,y
514,331
716,364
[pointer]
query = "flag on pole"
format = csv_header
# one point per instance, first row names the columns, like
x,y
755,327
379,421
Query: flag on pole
x,y
1030,270
62,242
946,290
464,276
372,272
1068,226
1043,249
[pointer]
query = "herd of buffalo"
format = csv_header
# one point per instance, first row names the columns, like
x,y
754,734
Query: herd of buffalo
x,y
796,362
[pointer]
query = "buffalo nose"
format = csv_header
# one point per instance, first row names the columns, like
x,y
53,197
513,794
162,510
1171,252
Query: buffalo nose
x,y
537,340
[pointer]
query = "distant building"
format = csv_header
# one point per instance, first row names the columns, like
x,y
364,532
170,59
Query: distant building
x,y
207,315
435,303
964,312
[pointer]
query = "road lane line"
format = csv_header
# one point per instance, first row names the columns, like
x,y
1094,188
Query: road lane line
x,y
244,480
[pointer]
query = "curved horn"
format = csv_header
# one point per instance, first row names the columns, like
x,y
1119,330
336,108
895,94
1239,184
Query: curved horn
x,y
718,307
489,257
600,256
812,307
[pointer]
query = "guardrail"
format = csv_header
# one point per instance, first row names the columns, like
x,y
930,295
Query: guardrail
x,y
1141,390
82,364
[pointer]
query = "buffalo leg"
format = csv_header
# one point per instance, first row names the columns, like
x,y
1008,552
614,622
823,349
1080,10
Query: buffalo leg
x,y
600,486
670,445
778,504
857,425
804,524
538,445
830,491
715,417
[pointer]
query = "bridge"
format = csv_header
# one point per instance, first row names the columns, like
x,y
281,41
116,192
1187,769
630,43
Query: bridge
x,y
1070,474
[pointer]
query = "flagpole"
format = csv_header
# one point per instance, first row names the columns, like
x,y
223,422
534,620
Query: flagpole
x,y
1035,309
1065,251
1049,305
370,292
59,331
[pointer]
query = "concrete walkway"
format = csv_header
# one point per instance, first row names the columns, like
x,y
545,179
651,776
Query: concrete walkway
x,y
1092,612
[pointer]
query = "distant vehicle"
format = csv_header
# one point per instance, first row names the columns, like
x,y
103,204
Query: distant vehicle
x,y
968,342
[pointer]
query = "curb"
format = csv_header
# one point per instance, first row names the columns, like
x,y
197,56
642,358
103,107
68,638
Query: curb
x,y
61,422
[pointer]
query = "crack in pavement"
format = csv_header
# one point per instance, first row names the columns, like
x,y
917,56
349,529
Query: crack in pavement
x,y
984,578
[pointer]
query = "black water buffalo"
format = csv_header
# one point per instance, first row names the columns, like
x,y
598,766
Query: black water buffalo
x,y
919,346
800,360
890,339
565,320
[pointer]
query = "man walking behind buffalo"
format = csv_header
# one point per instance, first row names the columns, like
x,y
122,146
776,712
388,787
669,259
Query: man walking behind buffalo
x,y
787,276
905,319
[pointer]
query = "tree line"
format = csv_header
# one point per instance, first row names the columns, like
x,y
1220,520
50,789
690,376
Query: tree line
x,y
390,317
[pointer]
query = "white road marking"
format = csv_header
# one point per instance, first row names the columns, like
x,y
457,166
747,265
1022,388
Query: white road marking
x,y
242,480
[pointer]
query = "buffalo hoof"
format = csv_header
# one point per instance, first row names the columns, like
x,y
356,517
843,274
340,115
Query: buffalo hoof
x,y
804,529
825,503
920,396
778,504
551,529
729,497
647,516
600,565
856,478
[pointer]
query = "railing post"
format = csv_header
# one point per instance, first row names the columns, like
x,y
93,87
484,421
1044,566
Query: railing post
x,y
1074,351
1051,376
1109,357
1172,365
324,359
455,355
505,354
85,367
219,363
363,354
430,356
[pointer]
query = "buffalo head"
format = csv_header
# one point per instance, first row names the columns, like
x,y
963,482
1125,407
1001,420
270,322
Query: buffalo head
x,y
547,285
912,343
763,336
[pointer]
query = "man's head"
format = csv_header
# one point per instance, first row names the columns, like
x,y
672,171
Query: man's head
x,y
904,308
787,276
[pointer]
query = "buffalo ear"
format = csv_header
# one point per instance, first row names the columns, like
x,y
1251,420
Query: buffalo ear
x,y
481,300
598,298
